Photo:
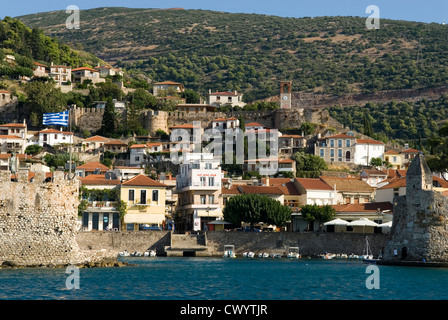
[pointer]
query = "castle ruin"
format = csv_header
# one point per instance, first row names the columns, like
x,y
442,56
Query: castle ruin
x,y
419,233
39,221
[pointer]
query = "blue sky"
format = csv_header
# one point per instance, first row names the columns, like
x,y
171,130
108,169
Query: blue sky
x,y
411,10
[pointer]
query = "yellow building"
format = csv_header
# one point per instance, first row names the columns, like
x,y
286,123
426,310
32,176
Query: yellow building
x,y
394,158
145,200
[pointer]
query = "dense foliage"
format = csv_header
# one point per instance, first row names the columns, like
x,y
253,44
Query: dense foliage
x,y
252,53
410,122
256,208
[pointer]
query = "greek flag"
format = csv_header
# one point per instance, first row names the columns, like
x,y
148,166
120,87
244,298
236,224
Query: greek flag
x,y
60,119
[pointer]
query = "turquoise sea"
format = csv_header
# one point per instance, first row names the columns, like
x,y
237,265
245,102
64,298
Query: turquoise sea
x,y
166,278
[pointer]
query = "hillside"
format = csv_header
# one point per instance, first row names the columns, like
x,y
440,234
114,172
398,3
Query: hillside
x,y
252,53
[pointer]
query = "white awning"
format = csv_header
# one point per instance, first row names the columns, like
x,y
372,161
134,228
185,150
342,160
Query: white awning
x,y
149,218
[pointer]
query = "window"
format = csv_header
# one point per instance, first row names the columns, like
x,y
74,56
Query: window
x,y
211,181
131,195
332,143
347,143
340,153
211,199
332,153
137,158
155,195
202,180
142,196
208,166
340,143
322,152
203,199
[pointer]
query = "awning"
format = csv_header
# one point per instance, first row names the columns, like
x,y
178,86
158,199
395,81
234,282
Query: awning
x,y
150,218
218,222
336,222
363,222
385,225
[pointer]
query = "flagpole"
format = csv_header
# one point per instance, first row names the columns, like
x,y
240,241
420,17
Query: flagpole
x,y
71,137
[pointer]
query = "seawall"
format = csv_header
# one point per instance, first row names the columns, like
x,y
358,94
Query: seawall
x,y
310,244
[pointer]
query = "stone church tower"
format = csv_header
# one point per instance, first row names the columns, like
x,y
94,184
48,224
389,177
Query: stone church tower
x,y
419,231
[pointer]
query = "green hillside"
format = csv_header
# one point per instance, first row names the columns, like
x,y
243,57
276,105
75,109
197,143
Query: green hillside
x,y
33,45
252,53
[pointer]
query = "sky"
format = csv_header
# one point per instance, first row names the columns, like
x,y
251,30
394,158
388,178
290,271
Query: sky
x,y
410,10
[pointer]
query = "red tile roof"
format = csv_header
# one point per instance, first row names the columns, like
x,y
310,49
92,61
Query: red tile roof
x,y
116,142
6,136
284,184
368,141
55,131
410,150
391,152
348,184
92,166
313,184
13,125
143,181
96,139
224,93
341,135
84,68
254,124
363,207
98,179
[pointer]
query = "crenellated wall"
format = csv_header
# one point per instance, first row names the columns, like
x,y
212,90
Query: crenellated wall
x,y
39,221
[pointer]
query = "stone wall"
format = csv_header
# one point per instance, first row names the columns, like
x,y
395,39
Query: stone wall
x,y
87,118
310,244
39,223
420,225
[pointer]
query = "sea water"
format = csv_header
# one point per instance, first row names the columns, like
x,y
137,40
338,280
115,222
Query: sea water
x,y
168,278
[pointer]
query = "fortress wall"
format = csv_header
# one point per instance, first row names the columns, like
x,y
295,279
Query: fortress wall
x,y
39,222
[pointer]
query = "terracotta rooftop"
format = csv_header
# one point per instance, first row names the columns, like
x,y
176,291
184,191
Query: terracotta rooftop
x,y
92,166
348,184
410,150
146,145
254,124
116,142
84,68
363,207
313,184
368,141
6,136
284,184
96,138
55,131
98,179
391,152
143,181
13,125
341,135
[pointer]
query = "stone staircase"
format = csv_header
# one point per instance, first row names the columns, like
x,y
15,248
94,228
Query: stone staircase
x,y
187,245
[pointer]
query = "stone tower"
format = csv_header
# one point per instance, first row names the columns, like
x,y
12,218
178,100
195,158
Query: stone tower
x,y
419,231
285,94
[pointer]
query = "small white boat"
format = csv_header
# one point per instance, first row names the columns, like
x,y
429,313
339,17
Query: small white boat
x,y
368,256
229,251
276,256
353,256
263,255
294,253
249,254
150,253
136,254
124,253
328,256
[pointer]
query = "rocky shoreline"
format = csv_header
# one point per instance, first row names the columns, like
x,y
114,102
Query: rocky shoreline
x,y
104,263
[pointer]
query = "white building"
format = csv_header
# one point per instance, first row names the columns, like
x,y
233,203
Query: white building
x,y
138,152
222,124
84,73
54,137
367,149
198,187
232,98
315,191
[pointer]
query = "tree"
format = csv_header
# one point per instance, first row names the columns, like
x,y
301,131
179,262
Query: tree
x,y
309,165
255,208
191,96
376,162
142,99
307,128
368,129
321,214
110,123
43,98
